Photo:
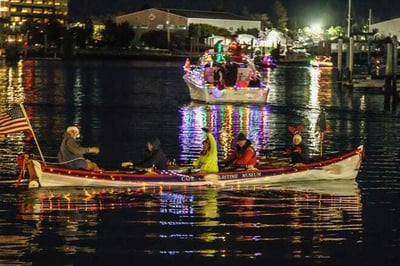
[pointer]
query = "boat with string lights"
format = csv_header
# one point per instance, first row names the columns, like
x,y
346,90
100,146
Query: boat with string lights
x,y
240,81
267,171
321,61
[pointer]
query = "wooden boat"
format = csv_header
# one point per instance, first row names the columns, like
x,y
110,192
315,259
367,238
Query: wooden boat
x,y
199,80
343,166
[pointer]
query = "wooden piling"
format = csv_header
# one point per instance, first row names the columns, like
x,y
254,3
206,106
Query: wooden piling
x,y
340,60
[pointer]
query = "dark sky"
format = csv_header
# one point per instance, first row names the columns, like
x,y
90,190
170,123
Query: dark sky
x,y
305,12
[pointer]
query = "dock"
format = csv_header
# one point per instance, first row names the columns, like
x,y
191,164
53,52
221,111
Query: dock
x,y
367,83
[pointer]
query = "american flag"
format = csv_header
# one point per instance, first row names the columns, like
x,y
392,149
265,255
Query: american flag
x,y
13,120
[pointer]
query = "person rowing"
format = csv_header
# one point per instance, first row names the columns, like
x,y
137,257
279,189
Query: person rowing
x,y
244,155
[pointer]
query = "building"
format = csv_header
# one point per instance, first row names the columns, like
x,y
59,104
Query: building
x,y
387,28
178,20
14,13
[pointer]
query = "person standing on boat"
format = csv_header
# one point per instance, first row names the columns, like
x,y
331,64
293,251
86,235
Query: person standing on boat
x,y
218,74
208,159
154,156
71,152
244,155
231,74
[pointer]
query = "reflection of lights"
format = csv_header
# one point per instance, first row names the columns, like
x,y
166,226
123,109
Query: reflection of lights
x,y
363,104
320,95
225,122
176,204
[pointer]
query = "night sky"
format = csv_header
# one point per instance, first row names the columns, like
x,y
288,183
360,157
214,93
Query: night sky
x,y
304,12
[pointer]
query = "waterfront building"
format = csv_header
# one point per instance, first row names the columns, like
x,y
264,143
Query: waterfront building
x,y
387,28
14,13
178,20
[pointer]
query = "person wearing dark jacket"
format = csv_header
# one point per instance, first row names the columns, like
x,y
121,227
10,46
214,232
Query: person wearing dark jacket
x,y
154,157
71,152
297,152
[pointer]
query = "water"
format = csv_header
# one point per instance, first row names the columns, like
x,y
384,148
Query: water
x,y
120,104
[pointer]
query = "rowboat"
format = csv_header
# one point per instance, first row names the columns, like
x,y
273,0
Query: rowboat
x,y
199,80
341,166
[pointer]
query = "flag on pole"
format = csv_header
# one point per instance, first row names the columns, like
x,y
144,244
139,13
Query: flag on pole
x,y
13,121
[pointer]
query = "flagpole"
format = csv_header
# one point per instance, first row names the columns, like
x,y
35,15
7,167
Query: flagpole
x,y
33,132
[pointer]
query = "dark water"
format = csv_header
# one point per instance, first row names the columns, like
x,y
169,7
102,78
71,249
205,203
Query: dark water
x,y
120,104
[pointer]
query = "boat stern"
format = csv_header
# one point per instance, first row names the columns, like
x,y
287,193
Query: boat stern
x,y
35,172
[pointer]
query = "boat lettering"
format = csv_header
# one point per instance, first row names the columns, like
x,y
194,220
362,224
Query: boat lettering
x,y
226,177
253,174
187,178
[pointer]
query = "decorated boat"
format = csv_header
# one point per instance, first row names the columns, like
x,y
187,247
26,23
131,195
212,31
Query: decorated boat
x,y
240,81
321,61
267,171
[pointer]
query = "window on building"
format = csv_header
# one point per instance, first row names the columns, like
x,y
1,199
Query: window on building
x,y
182,27
144,27
160,27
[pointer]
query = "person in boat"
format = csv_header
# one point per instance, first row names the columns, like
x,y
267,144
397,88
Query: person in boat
x,y
154,157
231,73
208,159
218,74
244,155
255,81
297,152
71,153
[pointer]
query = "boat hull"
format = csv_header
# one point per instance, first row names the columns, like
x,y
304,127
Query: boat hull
x,y
345,166
206,93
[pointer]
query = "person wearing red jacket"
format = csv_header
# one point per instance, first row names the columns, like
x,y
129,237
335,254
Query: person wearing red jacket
x,y
244,155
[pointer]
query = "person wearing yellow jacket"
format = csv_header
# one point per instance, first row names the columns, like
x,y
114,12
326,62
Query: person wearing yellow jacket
x,y
208,159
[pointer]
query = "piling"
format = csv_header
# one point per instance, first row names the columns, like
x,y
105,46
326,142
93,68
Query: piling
x,y
340,59
350,57
390,86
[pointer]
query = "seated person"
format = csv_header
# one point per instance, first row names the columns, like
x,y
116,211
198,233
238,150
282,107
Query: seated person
x,y
208,160
254,81
244,155
297,152
154,157
71,153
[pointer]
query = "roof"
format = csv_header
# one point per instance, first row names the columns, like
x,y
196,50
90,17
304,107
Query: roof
x,y
204,14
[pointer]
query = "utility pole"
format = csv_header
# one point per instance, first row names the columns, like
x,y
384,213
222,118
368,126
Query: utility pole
x,y
349,20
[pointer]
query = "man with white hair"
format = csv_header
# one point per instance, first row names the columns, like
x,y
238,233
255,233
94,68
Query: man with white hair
x,y
71,153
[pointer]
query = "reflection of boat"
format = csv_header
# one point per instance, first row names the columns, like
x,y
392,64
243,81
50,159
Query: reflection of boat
x,y
199,80
344,166
343,187
321,61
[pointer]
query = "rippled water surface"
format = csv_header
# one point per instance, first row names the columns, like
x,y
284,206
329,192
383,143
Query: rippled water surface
x,y
119,104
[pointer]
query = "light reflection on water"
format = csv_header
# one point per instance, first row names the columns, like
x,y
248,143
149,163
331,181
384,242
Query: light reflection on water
x,y
196,220
225,122
119,104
